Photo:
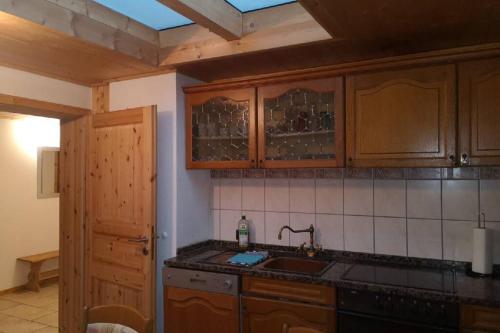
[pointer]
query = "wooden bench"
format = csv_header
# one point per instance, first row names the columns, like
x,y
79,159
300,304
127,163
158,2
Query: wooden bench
x,y
36,276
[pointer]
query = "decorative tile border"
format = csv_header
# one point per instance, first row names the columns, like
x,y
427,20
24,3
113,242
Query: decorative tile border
x,y
490,173
363,173
387,173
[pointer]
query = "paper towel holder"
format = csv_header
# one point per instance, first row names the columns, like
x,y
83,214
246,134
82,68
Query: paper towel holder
x,y
468,269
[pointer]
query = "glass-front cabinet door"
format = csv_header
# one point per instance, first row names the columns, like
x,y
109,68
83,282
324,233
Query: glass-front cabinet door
x,y
220,131
301,124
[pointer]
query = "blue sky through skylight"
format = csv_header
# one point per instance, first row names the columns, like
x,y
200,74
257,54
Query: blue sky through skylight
x,y
248,5
148,12
158,16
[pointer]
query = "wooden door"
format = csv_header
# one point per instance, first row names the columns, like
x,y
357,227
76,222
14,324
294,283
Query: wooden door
x,y
479,112
301,124
72,162
121,208
265,315
220,129
402,118
196,311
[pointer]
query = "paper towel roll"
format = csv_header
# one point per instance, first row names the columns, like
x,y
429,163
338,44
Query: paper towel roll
x,y
482,257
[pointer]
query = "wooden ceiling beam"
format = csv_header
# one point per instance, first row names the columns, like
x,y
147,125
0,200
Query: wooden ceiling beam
x,y
91,23
272,28
28,106
323,16
217,16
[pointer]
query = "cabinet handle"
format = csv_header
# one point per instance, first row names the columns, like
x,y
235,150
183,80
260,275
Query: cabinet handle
x,y
464,159
452,158
284,328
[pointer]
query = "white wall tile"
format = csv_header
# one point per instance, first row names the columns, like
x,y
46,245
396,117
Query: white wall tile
x,y
390,198
495,226
230,193
490,199
228,224
460,200
358,196
215,196
330,231
390,236
329,196
424,199
253,194
424,239
358,233
457,240
274,221
277,192
300,221
302,192
215,219
257,226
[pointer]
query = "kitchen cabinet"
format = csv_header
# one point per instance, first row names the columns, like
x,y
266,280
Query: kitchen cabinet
x,y
188,310
266,315
402,118
301,124
220,129
478,319
270,305
479,112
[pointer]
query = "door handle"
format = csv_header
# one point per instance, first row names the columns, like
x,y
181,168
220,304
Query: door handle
x,y
144,240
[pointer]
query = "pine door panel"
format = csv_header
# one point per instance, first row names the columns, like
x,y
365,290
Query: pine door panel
x,y
480,112
121,189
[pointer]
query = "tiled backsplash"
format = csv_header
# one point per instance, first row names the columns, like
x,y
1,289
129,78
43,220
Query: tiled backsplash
x,y
426,213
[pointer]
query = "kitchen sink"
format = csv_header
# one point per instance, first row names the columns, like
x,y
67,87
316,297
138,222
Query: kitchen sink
x,y
298,265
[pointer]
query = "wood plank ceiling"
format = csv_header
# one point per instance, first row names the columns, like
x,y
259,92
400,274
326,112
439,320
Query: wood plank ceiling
x,y
83,42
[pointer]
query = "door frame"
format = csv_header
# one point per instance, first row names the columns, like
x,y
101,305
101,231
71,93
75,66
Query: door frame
x,y
74,131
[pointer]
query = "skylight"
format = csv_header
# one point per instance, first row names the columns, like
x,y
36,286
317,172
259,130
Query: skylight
x,y
249,5
148,12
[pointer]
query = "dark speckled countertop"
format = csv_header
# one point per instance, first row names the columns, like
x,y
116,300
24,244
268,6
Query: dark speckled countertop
x,y
468,290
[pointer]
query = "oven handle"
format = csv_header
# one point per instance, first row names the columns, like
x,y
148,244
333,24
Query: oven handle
x,y
395,321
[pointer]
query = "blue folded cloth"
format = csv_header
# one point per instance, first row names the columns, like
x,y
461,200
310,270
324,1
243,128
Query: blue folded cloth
x,y
248,258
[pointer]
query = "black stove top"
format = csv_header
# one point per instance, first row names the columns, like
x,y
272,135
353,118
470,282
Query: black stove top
x,y
442,280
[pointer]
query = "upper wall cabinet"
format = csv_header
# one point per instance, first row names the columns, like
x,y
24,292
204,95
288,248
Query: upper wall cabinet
x,y
220,129
479,112
402,118
301,124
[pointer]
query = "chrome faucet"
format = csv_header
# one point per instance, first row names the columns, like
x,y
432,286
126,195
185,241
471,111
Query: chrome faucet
x,y
311,250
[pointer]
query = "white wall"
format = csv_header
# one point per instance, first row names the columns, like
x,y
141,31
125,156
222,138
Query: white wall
x,y
24,84
27,225
182,196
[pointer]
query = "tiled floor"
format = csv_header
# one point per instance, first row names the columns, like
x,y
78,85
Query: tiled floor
x,y
26,311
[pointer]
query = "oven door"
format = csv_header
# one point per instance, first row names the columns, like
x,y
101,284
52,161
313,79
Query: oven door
x,y
354,322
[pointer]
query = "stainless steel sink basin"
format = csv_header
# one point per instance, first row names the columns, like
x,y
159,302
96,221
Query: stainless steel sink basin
x,y
298,265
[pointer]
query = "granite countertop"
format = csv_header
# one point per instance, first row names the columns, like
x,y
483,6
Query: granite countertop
x,y
468,290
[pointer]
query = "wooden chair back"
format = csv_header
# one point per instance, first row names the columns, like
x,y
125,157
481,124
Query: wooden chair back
x,y
118,314
287,329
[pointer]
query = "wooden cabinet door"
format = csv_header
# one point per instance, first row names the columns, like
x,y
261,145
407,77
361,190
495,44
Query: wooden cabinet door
x,y
197,311
220,129
265,315
479,112
479,319
301,124
402,118
121,208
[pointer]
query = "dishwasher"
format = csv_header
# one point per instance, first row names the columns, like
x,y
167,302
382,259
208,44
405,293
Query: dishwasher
x,y
200,302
